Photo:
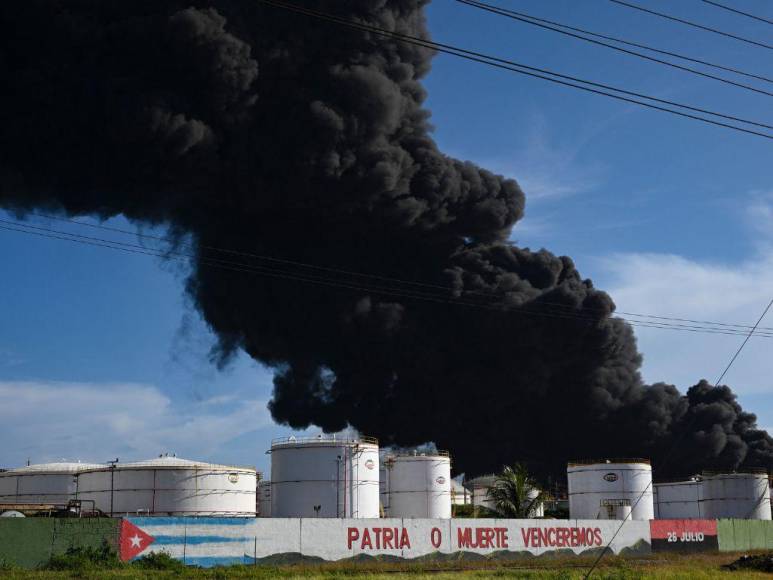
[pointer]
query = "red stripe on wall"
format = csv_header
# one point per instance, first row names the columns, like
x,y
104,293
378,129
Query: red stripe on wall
x,y
660,529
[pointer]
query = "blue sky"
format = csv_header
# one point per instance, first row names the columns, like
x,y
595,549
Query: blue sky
x,y
102,357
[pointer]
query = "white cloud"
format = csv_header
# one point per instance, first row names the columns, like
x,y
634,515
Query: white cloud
x,y
728,292
46,421
546,170
671,285
759,215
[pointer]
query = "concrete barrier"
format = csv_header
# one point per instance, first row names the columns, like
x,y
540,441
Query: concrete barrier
x,y
218,541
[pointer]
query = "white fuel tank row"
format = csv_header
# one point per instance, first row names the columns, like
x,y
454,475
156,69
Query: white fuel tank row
x,y
715,496
333,477
167,486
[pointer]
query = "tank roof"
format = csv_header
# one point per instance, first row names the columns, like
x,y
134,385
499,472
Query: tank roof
x,y
746,471
321,439
419,454
172,462
617,460
678,481
53,468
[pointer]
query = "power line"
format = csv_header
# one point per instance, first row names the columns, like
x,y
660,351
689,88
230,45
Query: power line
x,y
646,47
743,344
518,68
730,9
736,328
537,22
679,438
693,24
527,70
336,282
268,272
258,270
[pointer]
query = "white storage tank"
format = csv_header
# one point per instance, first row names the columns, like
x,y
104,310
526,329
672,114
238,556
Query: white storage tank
x,y
480,497
264,498
418,485
170,486
736,495
46,483
327,476
678,500
610,489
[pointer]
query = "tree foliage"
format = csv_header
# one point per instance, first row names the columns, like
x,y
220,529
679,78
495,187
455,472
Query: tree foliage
x,y
515,494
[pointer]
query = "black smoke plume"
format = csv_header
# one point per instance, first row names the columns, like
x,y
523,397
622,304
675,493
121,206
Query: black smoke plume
x,y
244,127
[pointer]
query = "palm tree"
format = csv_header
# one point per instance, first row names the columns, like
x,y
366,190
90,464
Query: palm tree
x,y
515,494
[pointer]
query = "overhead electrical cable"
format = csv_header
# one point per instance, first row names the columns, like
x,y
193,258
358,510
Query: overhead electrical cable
x,y
742,13
531,20
739,328
352,285
743,344
674,443
693,24
544,74
644,46
265,271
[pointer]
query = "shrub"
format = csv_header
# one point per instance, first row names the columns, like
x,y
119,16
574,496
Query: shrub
x,y
159,561
6,566
85,558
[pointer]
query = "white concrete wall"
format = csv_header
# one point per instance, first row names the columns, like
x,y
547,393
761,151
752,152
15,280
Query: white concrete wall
x,y
213,541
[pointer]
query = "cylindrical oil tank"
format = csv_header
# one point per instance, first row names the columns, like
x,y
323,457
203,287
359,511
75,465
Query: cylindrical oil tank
x,y
602,489
678,500
171,486
326,476
480,496
264,498
46,483
418,485
736,495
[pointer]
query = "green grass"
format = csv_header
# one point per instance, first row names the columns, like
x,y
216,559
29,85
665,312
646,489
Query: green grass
x,y
655,566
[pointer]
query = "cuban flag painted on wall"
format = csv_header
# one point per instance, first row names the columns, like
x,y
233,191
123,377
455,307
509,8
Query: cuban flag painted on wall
x,y
201,542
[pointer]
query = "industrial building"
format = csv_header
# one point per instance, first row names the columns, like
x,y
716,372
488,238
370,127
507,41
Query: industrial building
x,y
460,495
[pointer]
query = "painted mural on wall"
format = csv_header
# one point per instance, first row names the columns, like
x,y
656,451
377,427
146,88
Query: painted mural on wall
x,y
684,535
220,541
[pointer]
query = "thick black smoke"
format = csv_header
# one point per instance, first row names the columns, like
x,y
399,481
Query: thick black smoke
x,y
248,128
